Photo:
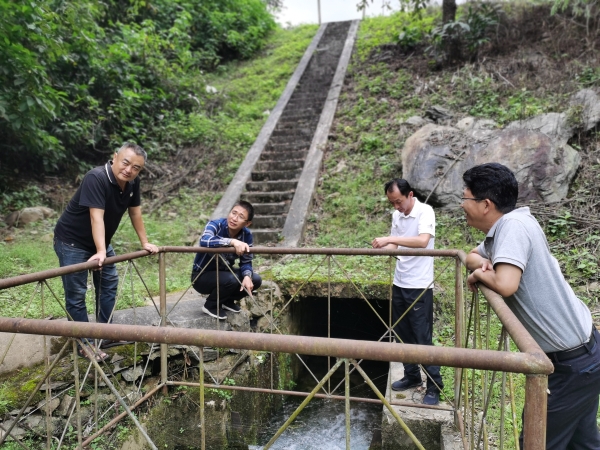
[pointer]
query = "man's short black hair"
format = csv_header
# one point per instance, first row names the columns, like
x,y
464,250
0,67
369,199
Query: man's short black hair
x,y
494,182
400,183
137,149
248,207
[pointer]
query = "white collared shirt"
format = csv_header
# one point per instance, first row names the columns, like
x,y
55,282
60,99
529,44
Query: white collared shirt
x,y
414,272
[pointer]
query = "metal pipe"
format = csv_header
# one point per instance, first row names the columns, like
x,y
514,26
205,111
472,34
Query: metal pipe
x,y
162,281
535,412
458,329
319,251
304,394
114,421
77,396
59,271
347,403
304,345
202,417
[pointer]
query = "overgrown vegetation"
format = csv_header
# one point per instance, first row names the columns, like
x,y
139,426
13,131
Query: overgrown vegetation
x,y
79,77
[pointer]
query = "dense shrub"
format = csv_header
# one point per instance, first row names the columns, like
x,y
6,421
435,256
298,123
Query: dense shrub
x,y
78,77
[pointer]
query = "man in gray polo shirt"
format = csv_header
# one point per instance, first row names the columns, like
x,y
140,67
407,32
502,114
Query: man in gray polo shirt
x,y
515,261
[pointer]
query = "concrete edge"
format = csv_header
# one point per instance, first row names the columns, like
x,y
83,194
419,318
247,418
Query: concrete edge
x,y
236,186
295,224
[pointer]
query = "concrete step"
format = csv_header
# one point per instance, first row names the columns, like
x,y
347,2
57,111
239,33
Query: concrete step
x,y
303,104
298,116
258,197
287,139
285,146
271,186
294,133
273,175
291,124
284,155
274,221
266,236
269,209
287,164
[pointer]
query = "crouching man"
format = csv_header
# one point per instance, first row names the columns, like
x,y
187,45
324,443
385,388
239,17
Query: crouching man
x,y
223,291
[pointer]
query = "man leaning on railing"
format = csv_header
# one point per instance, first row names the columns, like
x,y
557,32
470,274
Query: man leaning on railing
x,y
413,226
85,229
515,261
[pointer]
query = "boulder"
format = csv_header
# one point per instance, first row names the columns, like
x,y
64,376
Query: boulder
x,y
535,149
28,215
435,157
589,114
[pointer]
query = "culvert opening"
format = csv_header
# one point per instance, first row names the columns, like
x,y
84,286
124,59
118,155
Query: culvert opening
x,y
321,425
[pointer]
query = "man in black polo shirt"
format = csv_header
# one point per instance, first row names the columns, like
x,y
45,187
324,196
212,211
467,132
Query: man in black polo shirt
x,y
86,227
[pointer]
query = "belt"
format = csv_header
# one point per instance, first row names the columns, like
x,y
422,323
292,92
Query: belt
x,y
574,352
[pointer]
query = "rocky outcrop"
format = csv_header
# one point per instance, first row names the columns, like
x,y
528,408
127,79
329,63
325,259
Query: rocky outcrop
x,y
536,150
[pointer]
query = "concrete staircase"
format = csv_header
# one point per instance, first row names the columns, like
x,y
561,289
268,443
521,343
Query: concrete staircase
x,y
275,176
285,159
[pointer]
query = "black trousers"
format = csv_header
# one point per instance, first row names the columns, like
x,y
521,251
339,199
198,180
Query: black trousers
x,y
573,402
228,286
416,327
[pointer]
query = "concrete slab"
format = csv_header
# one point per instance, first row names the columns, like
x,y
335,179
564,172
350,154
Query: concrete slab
x,y
426,424
27,350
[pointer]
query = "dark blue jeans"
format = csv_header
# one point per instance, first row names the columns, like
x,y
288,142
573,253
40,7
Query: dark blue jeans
x,y
105,282
229,286
416,327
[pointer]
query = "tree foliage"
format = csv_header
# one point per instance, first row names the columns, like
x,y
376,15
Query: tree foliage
x,y
83,75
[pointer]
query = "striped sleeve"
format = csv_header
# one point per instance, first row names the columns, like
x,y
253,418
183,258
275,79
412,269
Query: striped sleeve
x,y
210,237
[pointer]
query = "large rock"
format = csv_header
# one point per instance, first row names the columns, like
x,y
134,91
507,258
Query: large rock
x,y
588,113
28,215
535,149
435,157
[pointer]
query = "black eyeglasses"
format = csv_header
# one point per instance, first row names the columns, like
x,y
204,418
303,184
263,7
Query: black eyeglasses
x,y
472,198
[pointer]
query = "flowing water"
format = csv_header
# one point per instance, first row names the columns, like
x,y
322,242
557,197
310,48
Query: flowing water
x,y
322,426
322,423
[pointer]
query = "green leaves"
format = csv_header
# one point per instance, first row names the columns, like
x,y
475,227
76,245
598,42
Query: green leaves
x,y
77,75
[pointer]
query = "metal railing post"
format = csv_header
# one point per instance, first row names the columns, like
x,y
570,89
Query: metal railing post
x,y
162,281
459,320
536,408
202,419
347,374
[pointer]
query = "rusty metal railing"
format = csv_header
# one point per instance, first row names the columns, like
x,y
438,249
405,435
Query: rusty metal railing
x,y
531,361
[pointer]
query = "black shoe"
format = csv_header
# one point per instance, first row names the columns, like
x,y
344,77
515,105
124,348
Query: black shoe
x,y
214,313
109,343
405,383
432,396
231,306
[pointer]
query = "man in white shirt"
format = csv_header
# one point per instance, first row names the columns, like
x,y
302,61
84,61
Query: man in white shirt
x,y
413,226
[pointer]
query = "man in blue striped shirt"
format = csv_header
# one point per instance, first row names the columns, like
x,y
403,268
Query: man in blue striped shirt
x,y
231,231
